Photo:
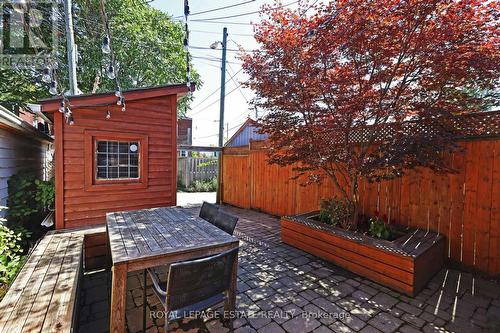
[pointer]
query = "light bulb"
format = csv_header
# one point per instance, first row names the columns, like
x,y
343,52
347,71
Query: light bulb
x,y
119,101
108,115
124,108
46,77
53,88
71,120
118,93
62,107
111,72
106,49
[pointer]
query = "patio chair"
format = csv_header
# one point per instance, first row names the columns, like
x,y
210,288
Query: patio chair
x,y
225,222
195,286
208,212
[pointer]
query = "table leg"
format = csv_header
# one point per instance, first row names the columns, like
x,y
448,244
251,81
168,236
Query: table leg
x,y
118,298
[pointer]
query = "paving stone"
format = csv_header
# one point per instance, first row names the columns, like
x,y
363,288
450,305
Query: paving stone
x,y
265,304
370,329
367,289
322,329
258,321
361,295
260,293
328,306
409,308
383,301
323,316
134,319
338,327
245,329
353,322
309,294
301,325
414,320
385,322
365,312
409,329
271,328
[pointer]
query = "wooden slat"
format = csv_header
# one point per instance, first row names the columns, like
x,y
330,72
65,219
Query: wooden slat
x,y
43,298
11,299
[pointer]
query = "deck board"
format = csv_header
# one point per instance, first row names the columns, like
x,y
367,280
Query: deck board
x,y
44,295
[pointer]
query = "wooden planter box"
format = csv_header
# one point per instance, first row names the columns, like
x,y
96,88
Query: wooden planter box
x,y
405,264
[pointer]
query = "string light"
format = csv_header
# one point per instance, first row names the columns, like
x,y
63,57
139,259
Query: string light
x,y
108,114
46,77
106,49
53,88
62,108
111,72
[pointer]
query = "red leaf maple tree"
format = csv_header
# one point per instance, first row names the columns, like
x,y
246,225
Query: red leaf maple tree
x,y
369,89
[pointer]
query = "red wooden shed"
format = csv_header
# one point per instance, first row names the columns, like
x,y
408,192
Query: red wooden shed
x,y
113,160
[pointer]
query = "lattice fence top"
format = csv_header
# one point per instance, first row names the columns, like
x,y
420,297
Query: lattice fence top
x,y
474,125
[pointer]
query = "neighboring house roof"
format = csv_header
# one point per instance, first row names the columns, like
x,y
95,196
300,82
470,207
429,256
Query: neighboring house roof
x,y
14,123
247,132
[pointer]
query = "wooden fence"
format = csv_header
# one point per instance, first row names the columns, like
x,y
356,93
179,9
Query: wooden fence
x,y
190,169
463,206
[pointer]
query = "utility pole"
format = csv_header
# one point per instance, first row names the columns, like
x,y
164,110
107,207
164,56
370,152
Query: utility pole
x,y
71,49
222,87
227,130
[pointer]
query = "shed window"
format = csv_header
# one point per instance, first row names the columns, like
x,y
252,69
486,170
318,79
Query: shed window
x,y
117,159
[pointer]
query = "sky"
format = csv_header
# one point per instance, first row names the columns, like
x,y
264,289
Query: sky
x,y
205,108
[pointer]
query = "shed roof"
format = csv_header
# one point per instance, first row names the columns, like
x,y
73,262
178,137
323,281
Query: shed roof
x,y
51,105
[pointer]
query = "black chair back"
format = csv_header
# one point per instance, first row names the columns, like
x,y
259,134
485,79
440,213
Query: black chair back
x,y
225,221
193,281
208,212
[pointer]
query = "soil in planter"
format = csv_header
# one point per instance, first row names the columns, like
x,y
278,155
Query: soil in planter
x,y
363,228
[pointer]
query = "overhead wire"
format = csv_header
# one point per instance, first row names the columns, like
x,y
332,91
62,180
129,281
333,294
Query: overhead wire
x,y
220,8
244,14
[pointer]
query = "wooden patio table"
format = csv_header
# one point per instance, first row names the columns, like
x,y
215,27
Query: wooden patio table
x,y
159,236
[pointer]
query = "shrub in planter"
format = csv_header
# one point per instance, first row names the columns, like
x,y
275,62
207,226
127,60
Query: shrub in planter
x,y
380,229
335,212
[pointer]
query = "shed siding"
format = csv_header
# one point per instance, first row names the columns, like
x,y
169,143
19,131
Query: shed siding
x,y
247,134
21,153
154,117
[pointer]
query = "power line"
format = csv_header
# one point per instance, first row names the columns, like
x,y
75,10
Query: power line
x,y
221,8
212,135
248,13
216,90
215,102
218,33
220,22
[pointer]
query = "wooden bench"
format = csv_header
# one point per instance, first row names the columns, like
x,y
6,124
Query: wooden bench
x,y
44,296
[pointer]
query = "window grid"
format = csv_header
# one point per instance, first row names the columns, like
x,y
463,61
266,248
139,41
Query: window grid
x,y
116,160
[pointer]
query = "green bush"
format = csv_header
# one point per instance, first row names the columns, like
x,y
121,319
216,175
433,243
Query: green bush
x,y
335,211
12,254
29,201
379,229
207,185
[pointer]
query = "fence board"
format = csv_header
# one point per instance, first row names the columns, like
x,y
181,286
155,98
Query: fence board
x,y
464,206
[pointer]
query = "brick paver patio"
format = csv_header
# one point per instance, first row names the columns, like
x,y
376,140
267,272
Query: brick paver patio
x,y
283,289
